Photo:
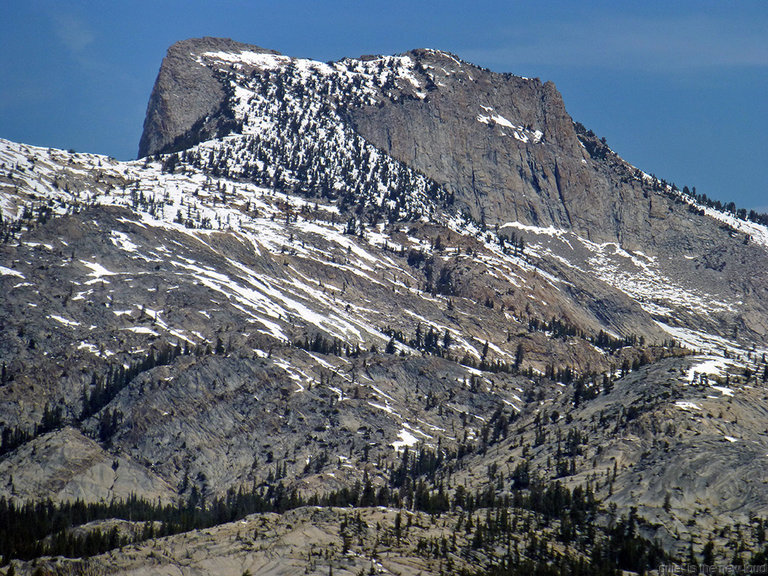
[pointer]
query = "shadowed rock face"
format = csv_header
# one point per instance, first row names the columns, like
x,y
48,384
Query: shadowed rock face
x,y
186,104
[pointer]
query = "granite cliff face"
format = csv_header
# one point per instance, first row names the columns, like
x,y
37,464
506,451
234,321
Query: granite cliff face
x,y
188,102
503,143
399,283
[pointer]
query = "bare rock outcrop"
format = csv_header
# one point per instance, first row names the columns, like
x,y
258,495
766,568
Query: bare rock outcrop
x,y
187,104
66,466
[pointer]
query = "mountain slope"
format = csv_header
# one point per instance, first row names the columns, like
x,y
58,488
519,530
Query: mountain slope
x,y
317,266
530,165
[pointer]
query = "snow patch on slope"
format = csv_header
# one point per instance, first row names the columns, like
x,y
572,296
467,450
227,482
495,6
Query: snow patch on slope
x,y
521,133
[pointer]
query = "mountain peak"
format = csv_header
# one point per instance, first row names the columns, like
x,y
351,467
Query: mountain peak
x,y
504,146
212,43
185,94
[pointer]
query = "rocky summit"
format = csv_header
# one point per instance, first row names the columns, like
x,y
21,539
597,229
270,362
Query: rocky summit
x,y
393,315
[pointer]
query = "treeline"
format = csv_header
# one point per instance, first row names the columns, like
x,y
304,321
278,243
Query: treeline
x,y
45,529
432,341
729,207
672,191
586,384
24,528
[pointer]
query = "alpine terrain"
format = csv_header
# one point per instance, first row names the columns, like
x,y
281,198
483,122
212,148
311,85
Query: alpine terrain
x,y
387,315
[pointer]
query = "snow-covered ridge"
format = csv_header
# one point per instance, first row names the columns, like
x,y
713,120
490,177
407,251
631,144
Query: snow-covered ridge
x,y
263,60
757,232
193,203
293,135
370,78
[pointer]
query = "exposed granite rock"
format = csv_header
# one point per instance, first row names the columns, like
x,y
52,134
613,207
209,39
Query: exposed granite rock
x,y
508,149
489,137
66,466
187,104
305,540
504,145
688,456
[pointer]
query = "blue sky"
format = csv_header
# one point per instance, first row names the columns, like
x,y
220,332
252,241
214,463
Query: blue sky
x,y
677,88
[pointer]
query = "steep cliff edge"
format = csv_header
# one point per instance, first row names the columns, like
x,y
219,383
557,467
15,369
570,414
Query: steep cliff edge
x,y
510,152
188,100
503,145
